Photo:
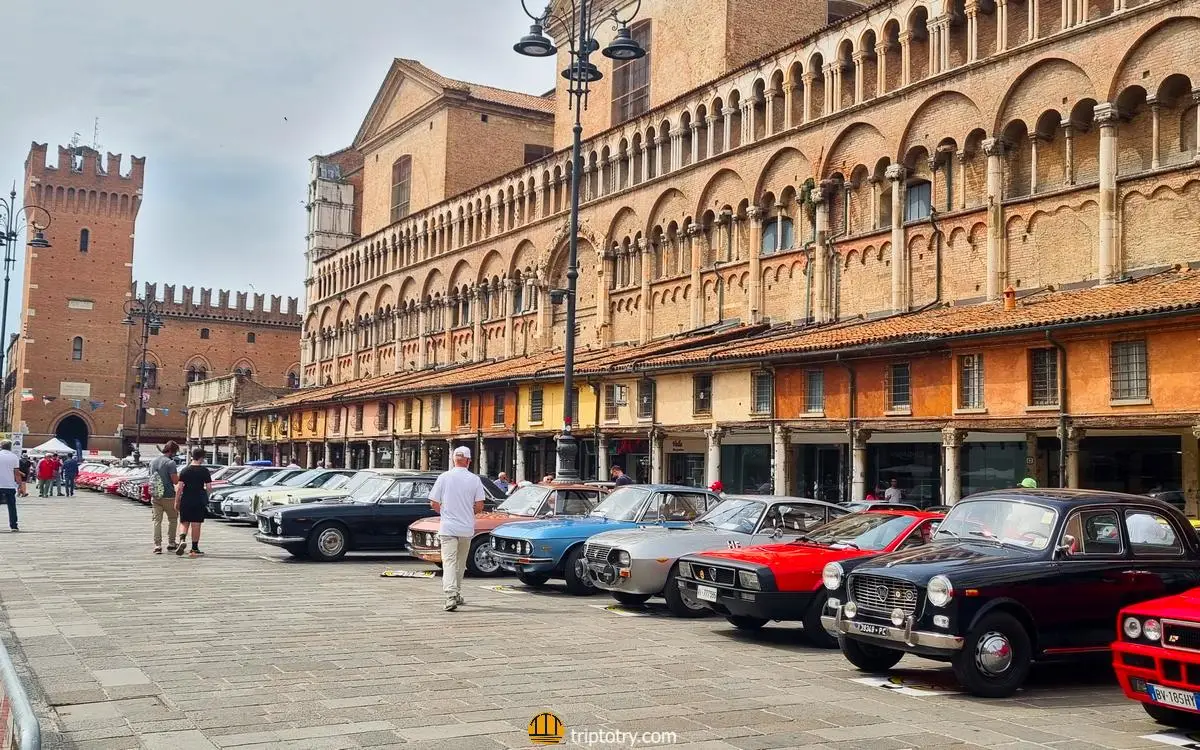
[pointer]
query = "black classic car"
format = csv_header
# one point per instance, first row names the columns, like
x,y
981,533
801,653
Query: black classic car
x,y
1013,576
374,517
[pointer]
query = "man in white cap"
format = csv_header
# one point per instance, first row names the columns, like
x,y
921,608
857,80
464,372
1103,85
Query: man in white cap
x,y
457,495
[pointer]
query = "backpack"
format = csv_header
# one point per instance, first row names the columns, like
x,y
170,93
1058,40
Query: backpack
x,y
158,490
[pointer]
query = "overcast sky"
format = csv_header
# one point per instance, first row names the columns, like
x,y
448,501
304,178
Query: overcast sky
x,y
202,91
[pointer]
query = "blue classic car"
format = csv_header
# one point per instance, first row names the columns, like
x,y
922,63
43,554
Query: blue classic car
x,y
540,550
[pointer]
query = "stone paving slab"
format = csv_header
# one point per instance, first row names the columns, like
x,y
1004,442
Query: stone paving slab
x,y
248,649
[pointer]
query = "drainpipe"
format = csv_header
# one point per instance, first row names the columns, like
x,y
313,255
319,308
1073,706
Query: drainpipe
x,y
851,411
1062,408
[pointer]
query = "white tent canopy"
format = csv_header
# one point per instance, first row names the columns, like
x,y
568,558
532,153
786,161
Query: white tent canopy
x,y
53,445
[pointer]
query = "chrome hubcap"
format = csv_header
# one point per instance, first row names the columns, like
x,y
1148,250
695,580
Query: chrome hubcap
x,y
484,560
331,541
689,601
582,574
994,654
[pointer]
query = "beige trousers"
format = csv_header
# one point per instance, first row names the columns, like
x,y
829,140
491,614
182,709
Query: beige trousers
x,y
166,506
455,550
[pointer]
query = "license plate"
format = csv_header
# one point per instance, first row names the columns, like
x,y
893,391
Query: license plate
x,y
1173,697
706,593
869,629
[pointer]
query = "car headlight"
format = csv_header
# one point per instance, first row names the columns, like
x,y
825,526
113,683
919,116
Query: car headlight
x,y
277,517
832,576
1151,630
622,558
685,570
409,536
939,591
1132,627
748,579
437,542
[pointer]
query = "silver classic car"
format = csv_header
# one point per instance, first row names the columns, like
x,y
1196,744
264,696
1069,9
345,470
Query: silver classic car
x,y
636,564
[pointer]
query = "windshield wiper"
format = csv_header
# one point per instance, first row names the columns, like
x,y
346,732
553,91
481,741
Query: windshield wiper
x,y
949,532
849,543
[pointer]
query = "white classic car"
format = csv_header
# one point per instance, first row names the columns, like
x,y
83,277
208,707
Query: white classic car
x,y
244,505
636,564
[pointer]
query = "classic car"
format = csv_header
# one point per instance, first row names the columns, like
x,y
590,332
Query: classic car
x,y
1157,657
540,550
251,476
636,564
752,586
528,502
1014,576
374,517
112,483
239,505
857,507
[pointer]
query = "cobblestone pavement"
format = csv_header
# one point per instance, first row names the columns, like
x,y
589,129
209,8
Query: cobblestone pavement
x,y
246,649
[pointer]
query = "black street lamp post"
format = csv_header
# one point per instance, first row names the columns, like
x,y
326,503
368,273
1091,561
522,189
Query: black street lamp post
x,y
148,313
579,29
10,232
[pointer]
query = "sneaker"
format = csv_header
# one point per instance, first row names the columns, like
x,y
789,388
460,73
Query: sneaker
x,y
451,604
15,529
458,598
158,550
196,553
180,549
170,548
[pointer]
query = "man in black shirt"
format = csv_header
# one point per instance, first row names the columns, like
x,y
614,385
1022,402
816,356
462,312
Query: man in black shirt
x,y
619,477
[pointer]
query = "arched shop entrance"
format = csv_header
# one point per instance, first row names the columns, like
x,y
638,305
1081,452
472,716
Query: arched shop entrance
x,y
73,430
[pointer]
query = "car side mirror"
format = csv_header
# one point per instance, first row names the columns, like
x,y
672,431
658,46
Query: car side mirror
x,y
777,533
1063,550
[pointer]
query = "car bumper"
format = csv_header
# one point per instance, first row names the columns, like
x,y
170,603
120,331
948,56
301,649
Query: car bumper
x,y
279,541
765,605
428,554
524,563
635,579
1166,667
903,637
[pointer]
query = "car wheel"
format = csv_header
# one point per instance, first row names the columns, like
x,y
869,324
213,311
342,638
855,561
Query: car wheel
x,y
867,657
534,580
328,542
995,657
480,561
680,602
575,573
745,622
630,600
1172,717
814,631
296,550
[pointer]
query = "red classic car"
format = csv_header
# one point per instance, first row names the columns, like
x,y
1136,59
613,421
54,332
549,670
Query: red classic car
x,y
755,585
1157,657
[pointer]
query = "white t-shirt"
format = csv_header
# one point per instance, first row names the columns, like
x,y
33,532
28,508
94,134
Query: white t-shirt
x,y
893,495
458,490
9,461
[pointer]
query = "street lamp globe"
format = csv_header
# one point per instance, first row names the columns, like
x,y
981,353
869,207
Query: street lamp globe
x,y
535,43
39,241
582,71
623,47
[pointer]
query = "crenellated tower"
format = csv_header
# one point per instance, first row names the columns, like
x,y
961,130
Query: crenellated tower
x,y
73,352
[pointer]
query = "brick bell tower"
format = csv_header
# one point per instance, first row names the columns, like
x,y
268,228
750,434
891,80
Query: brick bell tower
x,y
72,361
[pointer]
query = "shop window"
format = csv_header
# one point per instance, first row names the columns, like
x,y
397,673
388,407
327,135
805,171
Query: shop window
x,y
814,392
631,80
497,408
464,411
536,396
615,396
408,415
777,235
970,381
918,197
645,408
1128,371
1043,377
702,394
77,348
401,187
763,390
899,387
435,416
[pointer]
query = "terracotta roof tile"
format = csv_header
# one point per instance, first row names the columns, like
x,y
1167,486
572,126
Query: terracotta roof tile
x,y
508,98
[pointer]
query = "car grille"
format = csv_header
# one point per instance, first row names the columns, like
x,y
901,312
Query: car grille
x,y
596,552
509,546
423,538
264,525
1183,636
713,574
881,595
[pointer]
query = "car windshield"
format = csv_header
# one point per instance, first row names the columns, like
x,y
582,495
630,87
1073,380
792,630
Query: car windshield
x,y
225,472
734,515
358,480
281,478
302,479
333,482
860,531
1013,523
526,501
243,477
622,504
371,490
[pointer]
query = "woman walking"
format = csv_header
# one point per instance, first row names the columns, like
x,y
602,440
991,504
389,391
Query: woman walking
x,y
191,500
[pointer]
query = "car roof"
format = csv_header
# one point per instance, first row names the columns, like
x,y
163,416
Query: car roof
x,y
1065,498
571,486
782,499
911,513
661,487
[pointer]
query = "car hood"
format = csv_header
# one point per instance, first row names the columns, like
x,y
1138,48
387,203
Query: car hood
x,y
1185,606
331,506
789,554
563,527
919,564
273,493
483,522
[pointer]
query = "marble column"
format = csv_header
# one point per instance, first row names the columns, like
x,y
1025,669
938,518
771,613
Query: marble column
x,y
858,463
646,266
1071,447
711,134
896,174
477,323
881,68
769,111
807,77
1069,152
695,128
1154,147
712,463
952,440
789,94
860,59
994,149
1196,101
602,457
972,10
905,58
780,443
1001,25
519,451
1109,261
1033,163
485,462
695,243
754,298
961,159
820,259
657,470
370,454
727,121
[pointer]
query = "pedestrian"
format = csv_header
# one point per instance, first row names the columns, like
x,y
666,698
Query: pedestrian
x,y
893,494
503,483
457,496
26,474
10,478
45,475
548,479
717,487
70,471
57,484
1029,483
619,477
293,465
191,502
164,475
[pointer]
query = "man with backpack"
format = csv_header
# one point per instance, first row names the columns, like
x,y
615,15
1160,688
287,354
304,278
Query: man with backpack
x,y
164,474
